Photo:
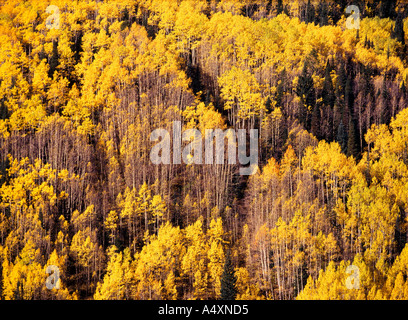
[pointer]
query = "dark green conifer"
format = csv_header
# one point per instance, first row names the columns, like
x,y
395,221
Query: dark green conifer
x,y
228,280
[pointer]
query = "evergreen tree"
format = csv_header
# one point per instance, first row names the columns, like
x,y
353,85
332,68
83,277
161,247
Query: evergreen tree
x,y
387,9
403,89
4,113
306,92
279,7
315,122
342,137
366,42
398,32
328,90
348,94
228,280
323,13
385,97
352,142
280,89
340,85
53,60
125,19
310,12
339,97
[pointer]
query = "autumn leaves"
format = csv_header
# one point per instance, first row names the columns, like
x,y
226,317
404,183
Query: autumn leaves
x,y
79,104
174,258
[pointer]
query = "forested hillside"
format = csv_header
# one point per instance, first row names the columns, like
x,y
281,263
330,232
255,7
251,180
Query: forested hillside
x,y
83,84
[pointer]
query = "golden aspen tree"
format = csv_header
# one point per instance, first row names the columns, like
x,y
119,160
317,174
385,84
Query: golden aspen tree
x,y
158,209
261,252
129,214
170,287
111,224
153,266
398,292
88,256
143,199
215,255
115,285
59,292
194,261
24,279
242,96
247,290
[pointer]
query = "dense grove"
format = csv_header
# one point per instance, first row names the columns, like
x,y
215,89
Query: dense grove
x,y
83,87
